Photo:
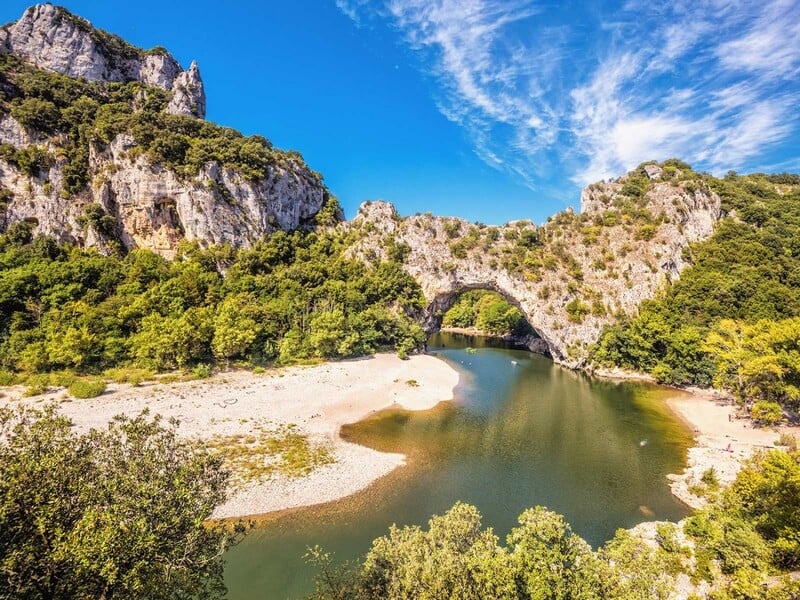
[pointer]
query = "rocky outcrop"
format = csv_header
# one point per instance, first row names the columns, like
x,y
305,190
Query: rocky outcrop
x,y
154,208
188,94
53,39
131,199
570,277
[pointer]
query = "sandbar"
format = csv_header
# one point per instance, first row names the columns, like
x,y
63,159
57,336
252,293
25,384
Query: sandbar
x,y
317,399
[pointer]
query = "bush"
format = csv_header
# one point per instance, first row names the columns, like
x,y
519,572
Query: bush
x,y
766,413
7,378
87,388
35,389
710,478
201,371
576,311
120,512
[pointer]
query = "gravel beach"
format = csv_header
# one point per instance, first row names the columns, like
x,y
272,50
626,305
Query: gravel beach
x,y
721,441
318,400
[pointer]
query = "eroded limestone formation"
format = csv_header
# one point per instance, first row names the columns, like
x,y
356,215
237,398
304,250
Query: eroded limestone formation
x,y
570,277
53,39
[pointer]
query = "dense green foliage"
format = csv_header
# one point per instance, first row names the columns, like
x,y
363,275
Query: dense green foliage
x,y
82,388
486,311
293,296
113,513
457,558
85,113
747,534
749,531
745,279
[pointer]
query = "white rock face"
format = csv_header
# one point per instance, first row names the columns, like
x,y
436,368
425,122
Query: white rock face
x,y
51,38
11,132
156,209
609,267
188,95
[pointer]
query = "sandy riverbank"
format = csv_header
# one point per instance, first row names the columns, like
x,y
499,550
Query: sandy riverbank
x,y
721,441
318,400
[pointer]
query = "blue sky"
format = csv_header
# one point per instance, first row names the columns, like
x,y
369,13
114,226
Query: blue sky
x,y
487,109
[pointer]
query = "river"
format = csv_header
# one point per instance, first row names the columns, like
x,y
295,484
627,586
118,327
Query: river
x,y
521,432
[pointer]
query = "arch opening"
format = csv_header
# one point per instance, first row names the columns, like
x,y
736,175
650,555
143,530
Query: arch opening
x,y
487,311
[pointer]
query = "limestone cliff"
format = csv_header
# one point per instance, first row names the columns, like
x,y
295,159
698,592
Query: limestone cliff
x,y
153,207
570,277
53,39
111,159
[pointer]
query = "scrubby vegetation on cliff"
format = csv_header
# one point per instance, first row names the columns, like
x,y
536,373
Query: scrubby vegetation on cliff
x,y
732,317
75,114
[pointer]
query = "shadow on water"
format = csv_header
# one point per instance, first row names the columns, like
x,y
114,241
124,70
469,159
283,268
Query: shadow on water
x,y
522,432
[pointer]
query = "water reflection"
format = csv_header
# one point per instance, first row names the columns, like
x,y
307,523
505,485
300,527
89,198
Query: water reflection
x,y
520,435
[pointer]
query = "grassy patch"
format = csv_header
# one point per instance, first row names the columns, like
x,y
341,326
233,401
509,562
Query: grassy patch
x,y
788,440
37,385
265,452
131,375
201,371
8,378
87,388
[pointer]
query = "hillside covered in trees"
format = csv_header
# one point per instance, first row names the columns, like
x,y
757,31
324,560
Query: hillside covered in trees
x,y
732,320
292,297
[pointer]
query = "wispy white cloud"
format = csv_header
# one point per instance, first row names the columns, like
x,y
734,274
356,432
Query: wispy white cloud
x,y
479,70
769,47
730,112
714,82
352,9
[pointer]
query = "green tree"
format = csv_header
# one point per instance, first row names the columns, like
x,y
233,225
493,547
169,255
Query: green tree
x,y
640,572
237,325
768,491
172,341
454,558
119,512
550,562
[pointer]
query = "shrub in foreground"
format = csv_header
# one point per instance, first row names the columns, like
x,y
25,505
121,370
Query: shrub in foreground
x,y
120,512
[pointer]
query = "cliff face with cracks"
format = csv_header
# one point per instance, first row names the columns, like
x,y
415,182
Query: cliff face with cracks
x,y
147,204
154,208
51,38
570,277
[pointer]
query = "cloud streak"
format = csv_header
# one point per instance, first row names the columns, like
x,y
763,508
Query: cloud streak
x,y
714,82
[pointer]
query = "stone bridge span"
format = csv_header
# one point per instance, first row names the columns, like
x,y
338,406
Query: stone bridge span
x,y
570,277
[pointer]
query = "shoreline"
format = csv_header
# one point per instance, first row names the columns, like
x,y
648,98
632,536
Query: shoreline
x,y
721,442
475,332
317,400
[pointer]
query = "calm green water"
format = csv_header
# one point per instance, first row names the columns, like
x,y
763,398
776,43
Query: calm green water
x,y
518,435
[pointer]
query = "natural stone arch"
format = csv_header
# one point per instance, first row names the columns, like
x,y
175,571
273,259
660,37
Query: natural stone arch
x,y
443,302
567,293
